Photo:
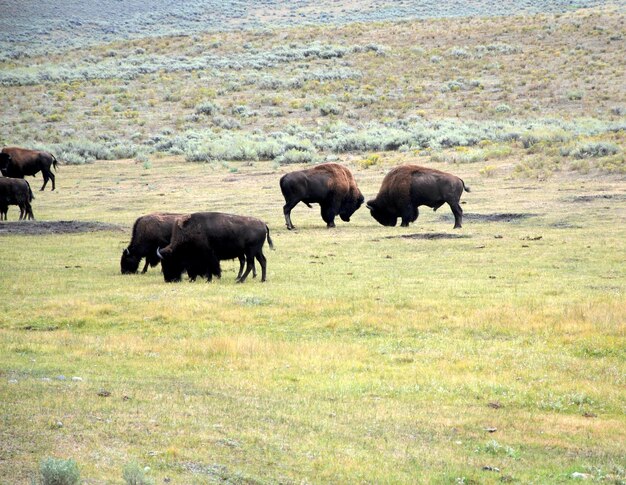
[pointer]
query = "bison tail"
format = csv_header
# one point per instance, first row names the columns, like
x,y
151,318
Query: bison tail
x,y
467,189
269,239
30,192
54,161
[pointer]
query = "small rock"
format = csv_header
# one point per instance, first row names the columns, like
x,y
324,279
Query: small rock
x,y
498,236
77,379
480,247
490,468
58,425
46,379
12,381
104,393
60,378
494,405
491,430
167,480
590,415
525,245
126,398
580,476
492,277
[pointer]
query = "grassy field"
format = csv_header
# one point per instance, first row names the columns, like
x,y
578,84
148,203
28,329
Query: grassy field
x,y
372,354
494,353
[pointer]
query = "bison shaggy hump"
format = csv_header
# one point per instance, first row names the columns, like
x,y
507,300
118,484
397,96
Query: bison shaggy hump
x,y
407,187
330,185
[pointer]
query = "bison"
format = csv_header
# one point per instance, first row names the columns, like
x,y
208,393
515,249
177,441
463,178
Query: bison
x,y
15,192
407,187
330,185
201,240
19,162
149,233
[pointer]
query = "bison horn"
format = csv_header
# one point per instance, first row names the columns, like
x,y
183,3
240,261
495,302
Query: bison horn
x,y
126,252
368,206
159,253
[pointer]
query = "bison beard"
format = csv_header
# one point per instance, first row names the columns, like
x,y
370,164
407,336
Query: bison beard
x,y
201,240
407,187
330,185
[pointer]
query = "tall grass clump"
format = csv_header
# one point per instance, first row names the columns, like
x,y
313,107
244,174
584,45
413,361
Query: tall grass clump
x,y
56,471
134,474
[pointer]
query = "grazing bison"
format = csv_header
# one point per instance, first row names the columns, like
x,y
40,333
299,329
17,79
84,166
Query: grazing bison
x,y
330,185
407,187
15,192
201,240
149,233
19,162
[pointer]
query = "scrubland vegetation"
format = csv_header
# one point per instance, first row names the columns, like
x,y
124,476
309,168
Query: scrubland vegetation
x,y
384,355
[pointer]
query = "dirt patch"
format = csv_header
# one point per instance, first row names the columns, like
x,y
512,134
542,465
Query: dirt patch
x,y
430,235
497,217
55,227
591,198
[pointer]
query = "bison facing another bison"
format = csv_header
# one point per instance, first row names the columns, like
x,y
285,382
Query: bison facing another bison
x,y
330,185
407,187
201,240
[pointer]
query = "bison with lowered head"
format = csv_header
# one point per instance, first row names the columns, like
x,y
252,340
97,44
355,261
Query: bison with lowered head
x,y
15,192
19,162
201,240
407,187
149,233
330,185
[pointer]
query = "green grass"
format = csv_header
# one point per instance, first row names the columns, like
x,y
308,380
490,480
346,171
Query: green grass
x,y
364,358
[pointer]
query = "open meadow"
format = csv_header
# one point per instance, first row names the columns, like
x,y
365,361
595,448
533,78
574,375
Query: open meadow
x,y
495,353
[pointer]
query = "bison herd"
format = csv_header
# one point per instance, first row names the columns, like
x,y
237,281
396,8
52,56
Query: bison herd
x,y
15,163
196,243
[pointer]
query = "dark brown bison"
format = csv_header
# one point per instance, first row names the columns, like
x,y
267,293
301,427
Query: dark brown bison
x,y
150,232
19,162
15,192
330,185
201,240
407,187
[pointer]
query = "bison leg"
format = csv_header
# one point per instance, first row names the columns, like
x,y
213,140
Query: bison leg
x,y
242,262
145,266
409,215
287,212
458,214
263,262
47,175
250,265
328,215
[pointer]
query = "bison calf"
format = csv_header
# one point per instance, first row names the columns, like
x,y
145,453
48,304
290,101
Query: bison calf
x,y
15,192
19,162
201,240
149,233
330,185
407,187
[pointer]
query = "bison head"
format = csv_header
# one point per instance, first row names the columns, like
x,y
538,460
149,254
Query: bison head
x,y
129,262
5,159
350,205
381,214
171,265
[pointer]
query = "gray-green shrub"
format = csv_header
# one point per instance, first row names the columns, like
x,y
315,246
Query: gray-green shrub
x,y
56,471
